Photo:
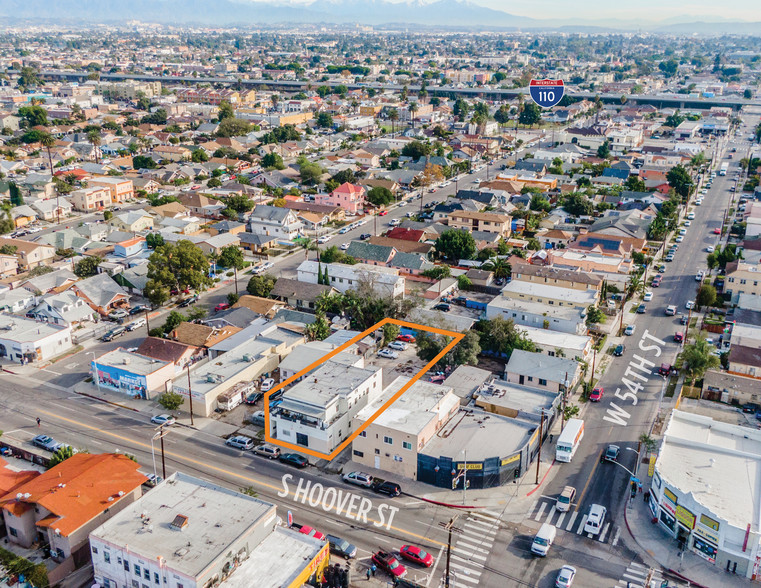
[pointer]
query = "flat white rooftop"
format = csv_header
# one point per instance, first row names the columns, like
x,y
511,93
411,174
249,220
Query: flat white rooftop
x,y
216,517
130,362
332,379
719,463
577,297
24,330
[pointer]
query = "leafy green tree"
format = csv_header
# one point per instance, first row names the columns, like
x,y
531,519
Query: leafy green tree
x,y
173,320
635,184
390,333
540,203
603,151
502,115
232,298
499,267
438,273
594,315
158,117
501,336
87,266
380,196
261,285
698,358
143,162
34,116
214,183
107,215
706,296
679,179
578,205
234,127
171,401
61,455
225,111
530,115
429,345
16,198
272,161
324,120
674,120
153,240
319,329
240,203
28,77
416,149
199,156
310,172
464,282
232,257
456,244
176,266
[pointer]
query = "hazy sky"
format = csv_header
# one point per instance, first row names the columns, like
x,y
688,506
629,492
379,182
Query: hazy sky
x,y
641,10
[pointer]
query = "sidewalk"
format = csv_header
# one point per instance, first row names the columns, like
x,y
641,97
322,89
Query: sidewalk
x,y
658,549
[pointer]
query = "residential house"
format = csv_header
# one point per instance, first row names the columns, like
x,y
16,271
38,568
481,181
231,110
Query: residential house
x,y
227,226
272,221
52,209
55,281
349,197
630,223
61,506
215,244
563,278
120,188
301,295
102,293
742,278
201,336
550,295
8,265
488,222
135,221
133,279
91,198
28,254
566,319
371,254
542,372
173,152
266,307
65,308
385,281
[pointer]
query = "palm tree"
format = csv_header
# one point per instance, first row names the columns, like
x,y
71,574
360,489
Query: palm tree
x,y
413,108
498,266
698,357
93,137
47,141
393,115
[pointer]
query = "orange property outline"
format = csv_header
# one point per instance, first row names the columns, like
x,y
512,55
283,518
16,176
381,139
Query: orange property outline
x,y
456,338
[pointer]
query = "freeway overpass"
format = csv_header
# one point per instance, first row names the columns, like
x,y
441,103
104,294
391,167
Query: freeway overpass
x,y
673,100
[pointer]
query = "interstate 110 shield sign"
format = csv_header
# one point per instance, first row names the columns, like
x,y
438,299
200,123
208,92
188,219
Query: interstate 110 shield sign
x,y
546,93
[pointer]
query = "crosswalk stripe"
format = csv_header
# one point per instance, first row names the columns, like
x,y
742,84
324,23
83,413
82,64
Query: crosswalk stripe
x,y
469,541
601,537
469,553
533,506
466,570
484,524
479,529
580,530
560,519
473,547
465,560
635,578
541,510
551,514
464,578
635,565
616,537
496,515
480,515
574,514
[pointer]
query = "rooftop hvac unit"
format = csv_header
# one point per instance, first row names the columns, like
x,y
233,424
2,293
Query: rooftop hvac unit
x,y
211,378
248,357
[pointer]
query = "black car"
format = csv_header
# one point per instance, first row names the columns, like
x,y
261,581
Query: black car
x,y
138,309
341,547
294,459
460,301
442,306
391,489
188,301
683,320
750,407
113,334
619,350
365,236
254,397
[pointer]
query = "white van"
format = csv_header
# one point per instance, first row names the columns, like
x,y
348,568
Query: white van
x,y
595,520
543,539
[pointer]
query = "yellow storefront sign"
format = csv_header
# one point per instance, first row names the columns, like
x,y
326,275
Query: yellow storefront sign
x,y
685,517
651,466
709,522
509,460
470,466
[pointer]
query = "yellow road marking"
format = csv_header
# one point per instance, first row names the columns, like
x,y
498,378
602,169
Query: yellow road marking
x,y
591,475
196,462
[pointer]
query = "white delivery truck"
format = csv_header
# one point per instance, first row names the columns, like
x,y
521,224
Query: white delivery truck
x,y
569,440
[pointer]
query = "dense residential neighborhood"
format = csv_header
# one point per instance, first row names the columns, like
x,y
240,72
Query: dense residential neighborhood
x,y
285,308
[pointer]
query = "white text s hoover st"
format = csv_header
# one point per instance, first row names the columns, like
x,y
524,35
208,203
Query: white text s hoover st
x,y
331,499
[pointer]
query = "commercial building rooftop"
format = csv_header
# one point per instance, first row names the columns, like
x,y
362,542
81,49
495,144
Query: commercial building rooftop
x,y
481,434
519,401
213,518
131,362
327,382
546,291
24,330
719,463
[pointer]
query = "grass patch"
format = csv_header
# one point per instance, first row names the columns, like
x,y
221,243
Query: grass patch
x,y
670,388
601,343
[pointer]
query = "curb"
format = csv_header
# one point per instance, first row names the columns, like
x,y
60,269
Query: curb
x,y
106,401
543,479
446,504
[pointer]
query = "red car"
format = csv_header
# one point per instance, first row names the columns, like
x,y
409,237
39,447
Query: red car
x,y
412,553
383,213
307,530
389,563
717,231
221,306
678,337
406,338
596,394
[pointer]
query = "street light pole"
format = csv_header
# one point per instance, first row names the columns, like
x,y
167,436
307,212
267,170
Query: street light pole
x,y
160,434
539,453
464,476
190,396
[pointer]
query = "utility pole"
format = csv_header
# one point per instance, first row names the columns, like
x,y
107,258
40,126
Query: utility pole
x,y
163,460
147,324
539,453
562,414
190,396
449,527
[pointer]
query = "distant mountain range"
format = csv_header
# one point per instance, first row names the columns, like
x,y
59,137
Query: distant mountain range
x,y
455,14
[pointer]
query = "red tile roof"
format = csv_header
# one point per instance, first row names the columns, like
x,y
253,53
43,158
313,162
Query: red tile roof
x,y
78,489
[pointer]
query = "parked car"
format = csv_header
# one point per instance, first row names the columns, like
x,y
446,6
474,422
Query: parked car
x,y
344,246
665,369
257,418
364,236
137,309
221,306
240,442
629,329
46,442
565,577
358,478
619,350
596,394
113,334
683,319
611,453
341,547
294,459
118,314
710,249
388,563
406,338
442,306
163,419
689,305
267,384
648,296
415,554
136,324
268,451
398,345
678,337
641,309
188,301
388,354
391,489
307,530
670,310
